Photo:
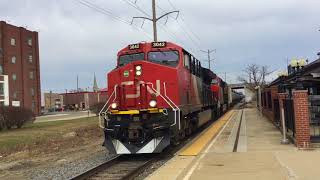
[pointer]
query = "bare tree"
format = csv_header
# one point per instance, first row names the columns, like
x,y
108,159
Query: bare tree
x,y
255,75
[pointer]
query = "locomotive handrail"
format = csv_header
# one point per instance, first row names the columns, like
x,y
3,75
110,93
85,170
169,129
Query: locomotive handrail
x,y
169,103
104,113
165,94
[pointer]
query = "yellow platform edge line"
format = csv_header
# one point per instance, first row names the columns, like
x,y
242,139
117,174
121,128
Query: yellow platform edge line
x,y
196,147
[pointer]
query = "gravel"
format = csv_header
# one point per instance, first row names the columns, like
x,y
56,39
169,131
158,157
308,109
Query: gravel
x,y
151,169
64,169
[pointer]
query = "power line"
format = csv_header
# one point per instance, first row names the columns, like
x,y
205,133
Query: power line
x,y
184,30
181,17
102,10
110,14
136,7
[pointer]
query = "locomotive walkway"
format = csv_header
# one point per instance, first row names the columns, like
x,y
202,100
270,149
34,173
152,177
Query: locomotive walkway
x,y
247,148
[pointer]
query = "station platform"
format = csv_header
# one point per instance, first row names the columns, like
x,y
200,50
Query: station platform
x,y
241,145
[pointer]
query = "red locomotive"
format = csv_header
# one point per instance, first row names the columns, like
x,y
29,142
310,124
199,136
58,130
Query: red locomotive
x,y
158,94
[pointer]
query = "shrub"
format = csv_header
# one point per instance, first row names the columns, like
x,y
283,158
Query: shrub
x,y
21,116
2,121
14,117
96,108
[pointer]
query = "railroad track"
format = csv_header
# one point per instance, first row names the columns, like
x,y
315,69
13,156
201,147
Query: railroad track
x,y
131,166
120,167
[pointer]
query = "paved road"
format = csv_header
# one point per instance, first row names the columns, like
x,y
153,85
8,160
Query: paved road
x,y
60,116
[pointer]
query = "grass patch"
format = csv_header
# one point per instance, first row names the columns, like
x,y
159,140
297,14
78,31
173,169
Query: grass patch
x,y
44,135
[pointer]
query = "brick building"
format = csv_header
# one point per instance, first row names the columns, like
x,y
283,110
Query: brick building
x,y
83,100
19,60
53,101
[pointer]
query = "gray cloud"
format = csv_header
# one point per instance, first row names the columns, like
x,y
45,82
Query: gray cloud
x,y
77,40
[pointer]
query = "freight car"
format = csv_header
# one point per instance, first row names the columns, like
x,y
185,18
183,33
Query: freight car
x,y
158,94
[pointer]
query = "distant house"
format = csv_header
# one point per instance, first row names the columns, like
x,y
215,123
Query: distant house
x,y
53,102
83,100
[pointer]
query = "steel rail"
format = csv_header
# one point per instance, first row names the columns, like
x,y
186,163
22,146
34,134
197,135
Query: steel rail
x,y
97,169
101,169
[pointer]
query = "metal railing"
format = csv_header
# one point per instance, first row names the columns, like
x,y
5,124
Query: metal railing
x,y
174,107
104,113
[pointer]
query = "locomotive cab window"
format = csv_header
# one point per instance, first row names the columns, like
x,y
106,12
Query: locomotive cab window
x,y
128,58
197,67
214,81
186,61
193,66
168,58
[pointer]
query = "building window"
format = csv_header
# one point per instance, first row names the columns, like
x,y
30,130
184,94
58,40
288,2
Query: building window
x,y
30,41
1,89
1,103
13,59
14,77
31,75
1,69
33,105
13,41
14,95
32,92
30,58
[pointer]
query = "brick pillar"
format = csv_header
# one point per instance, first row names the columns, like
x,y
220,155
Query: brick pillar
x,y
282,97
302,122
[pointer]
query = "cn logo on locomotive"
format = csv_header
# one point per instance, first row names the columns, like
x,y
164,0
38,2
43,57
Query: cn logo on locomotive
x,y
149,89
126,73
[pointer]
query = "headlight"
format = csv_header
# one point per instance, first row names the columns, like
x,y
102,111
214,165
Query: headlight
x,y
114,105
138,73
153,103
138,68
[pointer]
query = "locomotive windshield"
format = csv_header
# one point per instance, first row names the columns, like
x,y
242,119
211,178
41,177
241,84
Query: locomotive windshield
x,y
128,58
168,58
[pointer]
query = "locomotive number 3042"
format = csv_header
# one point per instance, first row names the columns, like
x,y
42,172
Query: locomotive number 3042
x,y
159,44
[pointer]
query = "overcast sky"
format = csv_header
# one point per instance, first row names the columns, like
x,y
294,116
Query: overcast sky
x,y
76,40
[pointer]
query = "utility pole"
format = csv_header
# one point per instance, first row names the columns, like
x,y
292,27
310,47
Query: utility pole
x,y
209,59
77,83
154,19
50,100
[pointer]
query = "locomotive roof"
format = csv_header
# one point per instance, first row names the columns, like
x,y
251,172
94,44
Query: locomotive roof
x,y
148,45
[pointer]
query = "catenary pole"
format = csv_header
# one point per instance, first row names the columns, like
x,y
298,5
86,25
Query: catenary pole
x,y
155,19
208,52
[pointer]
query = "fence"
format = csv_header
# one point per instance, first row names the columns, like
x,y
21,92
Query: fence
x,y
314,108
289,116
276,112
